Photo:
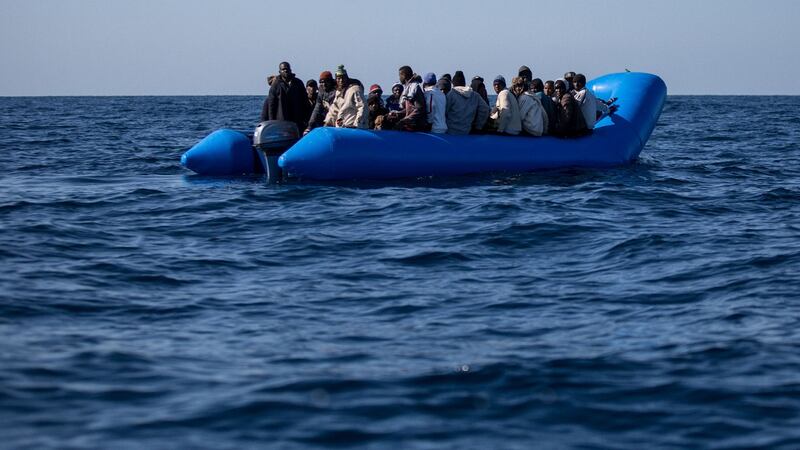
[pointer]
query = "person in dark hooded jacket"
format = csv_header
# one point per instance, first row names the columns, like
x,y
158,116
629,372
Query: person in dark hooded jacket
x,y
570,121
288,99
537,88
480,88
327,92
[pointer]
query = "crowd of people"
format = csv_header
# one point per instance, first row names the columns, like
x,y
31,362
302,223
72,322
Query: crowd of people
x,y
528,107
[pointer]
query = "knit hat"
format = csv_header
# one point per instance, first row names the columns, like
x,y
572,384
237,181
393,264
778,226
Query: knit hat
x,y
499,79
430,78
326,75
340,72
525,70
448,76
458,79
397,85
375,87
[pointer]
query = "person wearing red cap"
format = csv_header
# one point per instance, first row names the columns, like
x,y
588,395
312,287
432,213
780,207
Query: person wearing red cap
x,y
327,92
375,104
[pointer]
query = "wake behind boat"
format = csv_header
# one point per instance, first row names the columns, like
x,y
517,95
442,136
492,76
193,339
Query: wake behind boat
x,y
329,153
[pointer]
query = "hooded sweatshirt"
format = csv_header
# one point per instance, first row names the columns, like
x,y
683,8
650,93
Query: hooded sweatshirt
x,y
324,102
436,104
570,118
532,114
350,107
506,113
549,109
466,110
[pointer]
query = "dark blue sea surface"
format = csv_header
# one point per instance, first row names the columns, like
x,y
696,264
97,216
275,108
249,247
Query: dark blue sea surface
x,y
655,305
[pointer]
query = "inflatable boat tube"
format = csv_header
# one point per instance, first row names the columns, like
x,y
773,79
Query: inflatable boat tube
x,y
348,154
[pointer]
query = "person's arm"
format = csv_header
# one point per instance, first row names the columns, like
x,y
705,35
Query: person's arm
x,y
361,109
264,111
481,113
333,114
273,100
503,110
316,119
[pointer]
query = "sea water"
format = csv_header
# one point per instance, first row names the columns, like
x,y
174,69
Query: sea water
x,y
655,305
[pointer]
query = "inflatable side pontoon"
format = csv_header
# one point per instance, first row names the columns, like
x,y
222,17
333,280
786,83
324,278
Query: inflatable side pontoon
x,y
348,154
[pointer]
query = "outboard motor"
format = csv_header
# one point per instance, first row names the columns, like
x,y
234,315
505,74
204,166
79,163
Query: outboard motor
x,y
270,140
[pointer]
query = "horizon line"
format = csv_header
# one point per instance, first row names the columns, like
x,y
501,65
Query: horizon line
x,y
265,94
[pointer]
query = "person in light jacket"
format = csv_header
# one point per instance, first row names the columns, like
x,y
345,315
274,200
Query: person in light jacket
x,y
349,109
466,110
435,104
587,100
532,115
505,113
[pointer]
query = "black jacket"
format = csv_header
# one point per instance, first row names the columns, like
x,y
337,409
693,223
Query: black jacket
x,y
289,101
324,100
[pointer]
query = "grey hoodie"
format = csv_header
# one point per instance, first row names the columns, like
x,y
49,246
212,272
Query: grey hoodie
x,y
465,110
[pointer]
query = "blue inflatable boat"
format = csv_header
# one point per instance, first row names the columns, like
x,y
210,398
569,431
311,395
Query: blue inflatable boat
x,y
348,154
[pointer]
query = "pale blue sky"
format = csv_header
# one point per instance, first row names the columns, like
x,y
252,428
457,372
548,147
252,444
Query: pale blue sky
x,y
173,47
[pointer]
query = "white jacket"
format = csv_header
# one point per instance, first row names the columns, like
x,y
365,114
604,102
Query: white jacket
x,y
532,114
506,113
588,103
435,105
349,106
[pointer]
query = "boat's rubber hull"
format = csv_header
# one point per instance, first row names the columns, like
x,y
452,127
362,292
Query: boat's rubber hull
x,y
338,154
347,154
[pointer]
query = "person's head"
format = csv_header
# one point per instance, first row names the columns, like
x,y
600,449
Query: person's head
x,y
342,80
477,82
285,70
444,85
448,77
537,85
499,84
526,74
404,74
549,88
429,79
397,89
459,79
326,81
560,88
569,76
311,88
579,80
518,86
375,91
